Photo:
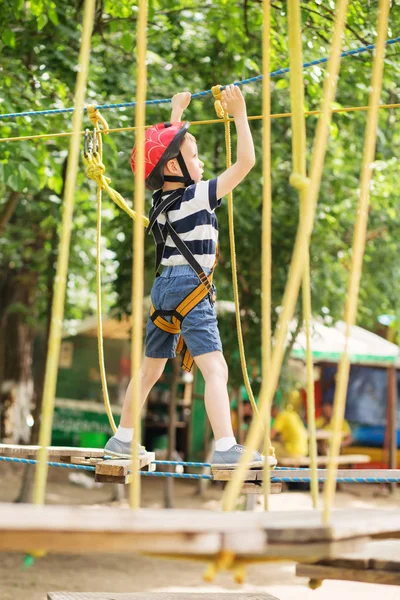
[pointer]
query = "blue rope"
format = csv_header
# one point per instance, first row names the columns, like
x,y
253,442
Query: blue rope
x,y
30,461
338,480
313,63
183,464
275,479
175,475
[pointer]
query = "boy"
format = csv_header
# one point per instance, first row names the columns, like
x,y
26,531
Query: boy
x,y
185,229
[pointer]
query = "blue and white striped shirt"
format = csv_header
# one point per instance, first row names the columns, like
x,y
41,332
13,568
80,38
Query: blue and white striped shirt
x,y
194,220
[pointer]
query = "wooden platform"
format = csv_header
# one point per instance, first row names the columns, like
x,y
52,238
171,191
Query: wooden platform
x,y
256,475
157,596
55,453
76,456
378,562
297,535
348,459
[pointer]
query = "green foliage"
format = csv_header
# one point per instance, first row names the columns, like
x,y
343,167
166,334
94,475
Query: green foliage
x,y
192,46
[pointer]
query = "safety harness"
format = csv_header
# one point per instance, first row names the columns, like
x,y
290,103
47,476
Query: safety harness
x,y
204,289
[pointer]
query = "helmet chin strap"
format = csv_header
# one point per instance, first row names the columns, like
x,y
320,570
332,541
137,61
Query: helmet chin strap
x,y
186,179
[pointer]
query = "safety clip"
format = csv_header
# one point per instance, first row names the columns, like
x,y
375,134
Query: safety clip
x,y
90,144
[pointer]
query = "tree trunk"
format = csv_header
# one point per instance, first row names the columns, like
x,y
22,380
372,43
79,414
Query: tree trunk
x,y
16,387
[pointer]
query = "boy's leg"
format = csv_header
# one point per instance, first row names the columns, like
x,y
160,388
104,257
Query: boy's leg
x,y
215,373
227,452
120,443
150,373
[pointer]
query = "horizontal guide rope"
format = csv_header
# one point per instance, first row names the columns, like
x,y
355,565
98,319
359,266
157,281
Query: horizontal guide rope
x,y
44,136
313,63
274,479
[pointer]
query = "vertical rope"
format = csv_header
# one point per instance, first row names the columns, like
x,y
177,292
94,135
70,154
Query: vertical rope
x,y
301,183
296,269
96,118
358,248
266,243
138,250
224,115
57,311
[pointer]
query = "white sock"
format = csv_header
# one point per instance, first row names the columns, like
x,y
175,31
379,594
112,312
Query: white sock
x,y
224,444
124,434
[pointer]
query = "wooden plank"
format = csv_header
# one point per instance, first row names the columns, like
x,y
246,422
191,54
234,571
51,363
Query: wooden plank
x,y
82,542
66,452
251,488
157,596
348,459
306,526
120,467
380,555
256,475
359,575
72,529
76,528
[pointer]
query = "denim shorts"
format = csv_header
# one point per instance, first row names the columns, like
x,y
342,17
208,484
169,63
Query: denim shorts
x,y
199,327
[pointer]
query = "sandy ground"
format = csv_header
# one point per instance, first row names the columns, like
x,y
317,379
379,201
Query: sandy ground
x,y
132,573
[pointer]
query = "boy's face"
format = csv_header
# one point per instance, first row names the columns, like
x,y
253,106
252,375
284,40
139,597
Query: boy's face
x,y
190,156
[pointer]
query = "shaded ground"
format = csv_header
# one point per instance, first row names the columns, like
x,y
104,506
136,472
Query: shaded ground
x,y
132,573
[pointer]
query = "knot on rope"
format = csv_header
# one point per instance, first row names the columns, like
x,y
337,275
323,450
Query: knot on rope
x,y
299,182
95,170
219,109
96,117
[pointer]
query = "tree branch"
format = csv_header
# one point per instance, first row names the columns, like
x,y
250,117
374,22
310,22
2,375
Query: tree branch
x,y
9,210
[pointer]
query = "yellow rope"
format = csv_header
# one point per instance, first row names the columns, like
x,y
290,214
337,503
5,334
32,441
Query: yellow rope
x,y
193,123
95,170
223,115
96,118
57,311
296,270
138,250
300,181
266,242
360,233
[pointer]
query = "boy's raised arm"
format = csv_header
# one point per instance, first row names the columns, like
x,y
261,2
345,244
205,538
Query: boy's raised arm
x,y
179,103
233,102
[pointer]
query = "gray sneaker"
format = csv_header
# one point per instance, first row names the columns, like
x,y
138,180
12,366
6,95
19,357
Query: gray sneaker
x,y
230,458
115,447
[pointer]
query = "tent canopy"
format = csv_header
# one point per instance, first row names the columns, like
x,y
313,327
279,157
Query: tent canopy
x,y
327,345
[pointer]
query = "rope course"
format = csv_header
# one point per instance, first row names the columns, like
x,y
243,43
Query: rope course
x,y
307,185
283,71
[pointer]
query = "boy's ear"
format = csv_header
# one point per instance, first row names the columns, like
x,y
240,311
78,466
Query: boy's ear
x,y
172,165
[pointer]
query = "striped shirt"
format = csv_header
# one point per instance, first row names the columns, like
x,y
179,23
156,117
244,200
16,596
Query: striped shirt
x,y
193,218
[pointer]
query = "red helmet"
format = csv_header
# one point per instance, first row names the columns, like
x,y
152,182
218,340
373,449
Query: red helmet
x,y
162,143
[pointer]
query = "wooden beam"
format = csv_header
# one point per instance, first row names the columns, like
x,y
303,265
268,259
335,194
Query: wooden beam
x,y
251,488
343,459
360,575
156,596
65,452
121,466
284,534
256,475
